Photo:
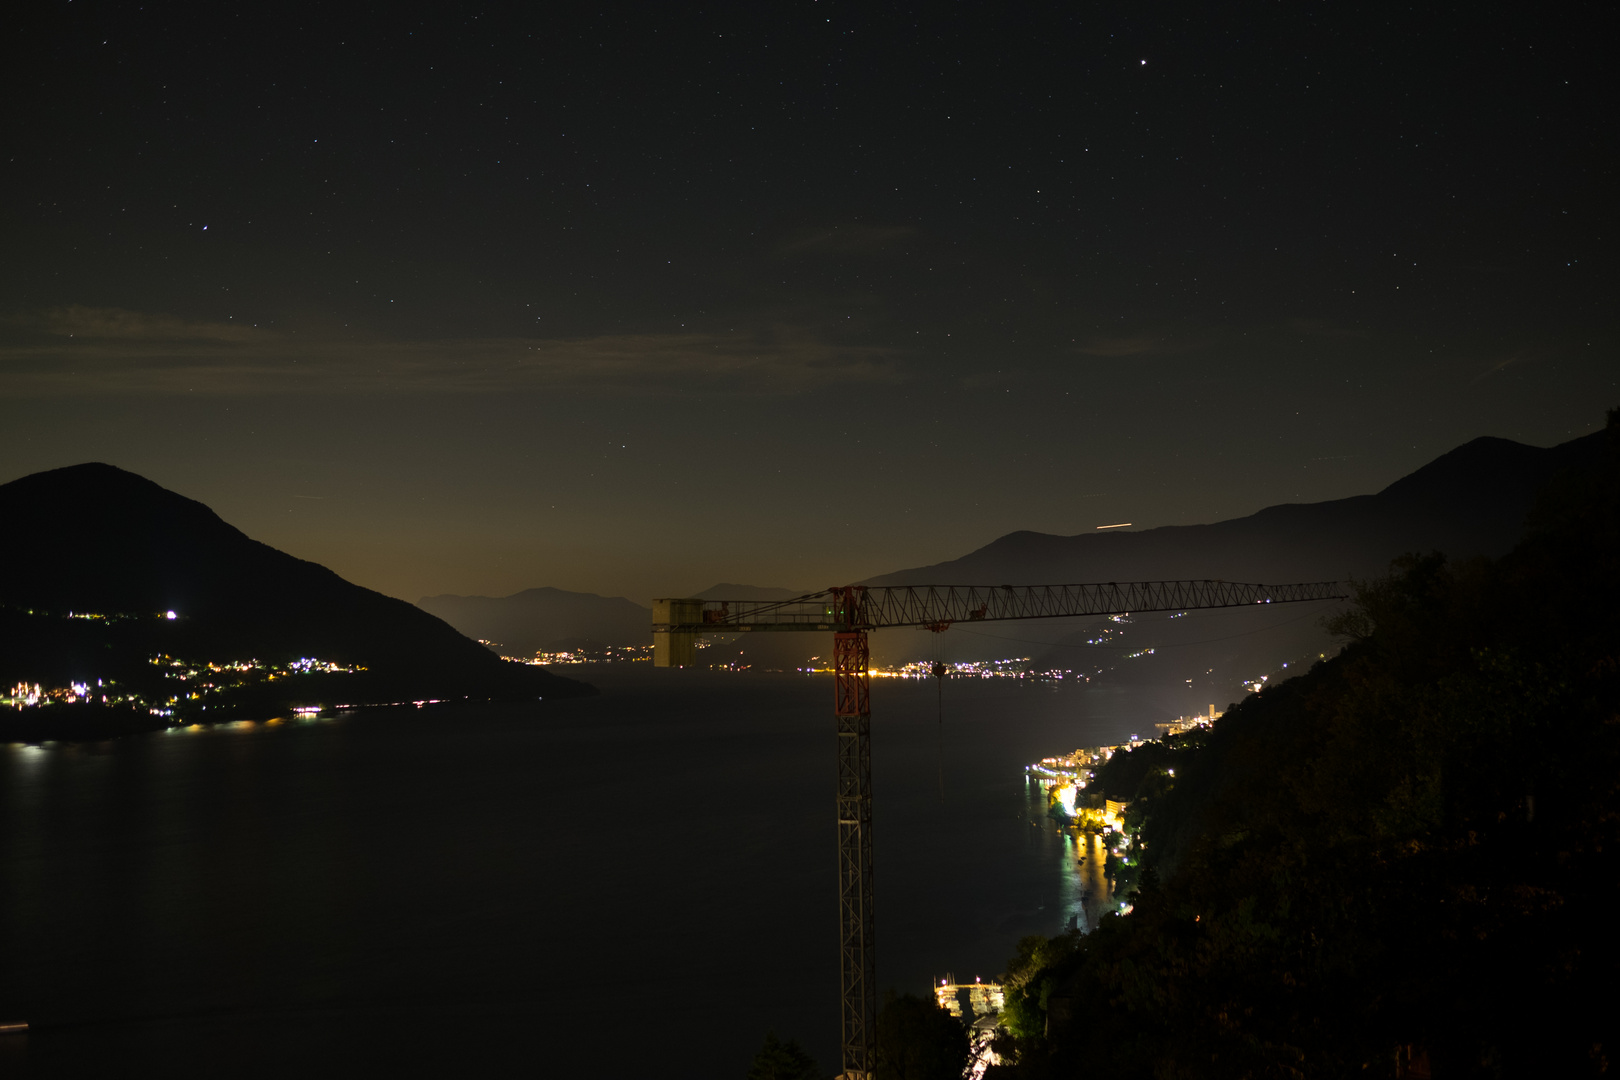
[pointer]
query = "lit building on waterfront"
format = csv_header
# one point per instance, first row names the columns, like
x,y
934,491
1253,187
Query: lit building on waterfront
x,y
983,998
1182,724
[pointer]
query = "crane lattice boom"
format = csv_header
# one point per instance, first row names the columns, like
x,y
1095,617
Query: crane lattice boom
x,y
860,607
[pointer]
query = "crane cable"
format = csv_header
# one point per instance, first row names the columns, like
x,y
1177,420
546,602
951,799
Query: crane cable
x,y
939,687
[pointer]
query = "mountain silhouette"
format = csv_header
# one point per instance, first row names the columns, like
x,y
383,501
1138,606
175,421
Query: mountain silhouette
x,y
1470,501
94,538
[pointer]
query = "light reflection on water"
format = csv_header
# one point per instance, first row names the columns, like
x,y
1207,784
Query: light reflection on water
x,y
1076,862
439,889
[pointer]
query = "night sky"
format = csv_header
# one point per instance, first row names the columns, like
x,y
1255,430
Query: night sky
x,y
634,299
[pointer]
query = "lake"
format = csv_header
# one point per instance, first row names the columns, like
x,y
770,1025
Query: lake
x,y
637,884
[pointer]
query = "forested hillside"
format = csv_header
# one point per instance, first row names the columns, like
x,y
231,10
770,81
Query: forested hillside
x,y
1406,857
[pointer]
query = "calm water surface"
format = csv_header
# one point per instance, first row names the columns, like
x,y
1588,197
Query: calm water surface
x,y
639,884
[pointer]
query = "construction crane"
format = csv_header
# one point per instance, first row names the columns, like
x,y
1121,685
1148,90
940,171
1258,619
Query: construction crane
x,y
849,613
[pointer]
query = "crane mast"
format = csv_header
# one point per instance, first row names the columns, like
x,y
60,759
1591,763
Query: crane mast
x,y
849,612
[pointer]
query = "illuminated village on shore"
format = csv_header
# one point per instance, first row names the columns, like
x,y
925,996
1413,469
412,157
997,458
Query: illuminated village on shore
x,y
1065,777
182,687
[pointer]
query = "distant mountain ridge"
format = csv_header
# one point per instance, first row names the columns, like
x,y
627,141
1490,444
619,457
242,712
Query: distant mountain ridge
x,y
95,538
1470,501
727,591
548,619
543,619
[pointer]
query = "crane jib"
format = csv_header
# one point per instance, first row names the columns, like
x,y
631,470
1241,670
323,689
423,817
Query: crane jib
x,y
937,606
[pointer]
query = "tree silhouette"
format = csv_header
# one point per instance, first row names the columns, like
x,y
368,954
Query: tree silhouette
x,y
918,1040
778,1060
